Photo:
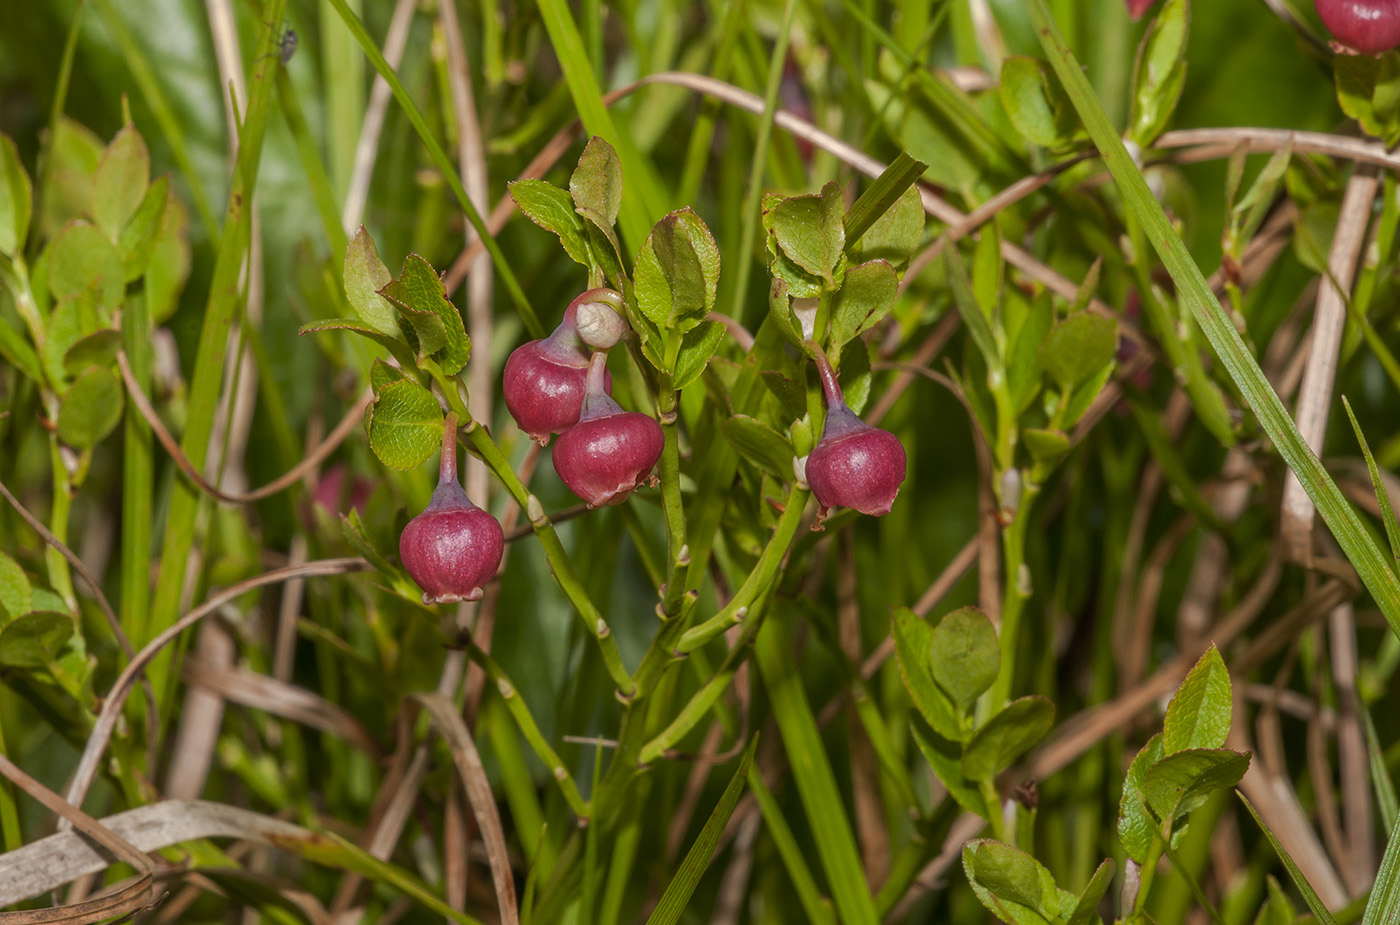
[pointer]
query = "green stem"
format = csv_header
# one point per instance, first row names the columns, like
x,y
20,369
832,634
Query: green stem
x,y
1014,597
137,470
705,698
1146,872
992,796
520,712
11,836
559,564
671,503
60,576
763,574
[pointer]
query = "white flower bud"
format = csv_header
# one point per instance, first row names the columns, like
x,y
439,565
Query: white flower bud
x,y
600,326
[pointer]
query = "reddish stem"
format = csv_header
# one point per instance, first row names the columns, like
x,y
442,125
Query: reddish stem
x,y
447,467
830,385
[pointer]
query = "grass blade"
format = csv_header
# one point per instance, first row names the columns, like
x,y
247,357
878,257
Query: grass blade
x,y
904,171
443,163
816,906
1392,528
1346,526
1384,904
826,813
1310,896
682,885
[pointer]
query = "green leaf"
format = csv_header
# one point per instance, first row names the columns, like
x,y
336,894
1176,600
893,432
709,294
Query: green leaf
x,y
142,232
1078,347
677,271
91,408
866,296
987,271
1181,782
1013,885
16,199
553,210
810,230
1159,73
82,256
855,376
889,196
945,758
1315,904
381,374
789,393
1045,446
405,424
1278,908
15,349
1083,396
698,345
393,344
1007,736
1086,910
16,595
419,293
169,265
1036,103
780,310
34,639
977,325
96,349
913,647
365,275
760,444
1356,77
120,182
682,886
964,655
803,285
896,233
1198,716
604,247
1136,827
74,318
596,183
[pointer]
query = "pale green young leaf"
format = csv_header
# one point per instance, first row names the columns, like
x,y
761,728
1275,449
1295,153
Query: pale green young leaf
x,y
91,408
1159,74
365,275
15,349
987,268
16,199
1084,394
553,210
810,230
381,374
1179,783
698,345
1136,827
120,181
74,318
142,232
419,291
1077,348
866,296
405,424
34,639
964,655
1007,736
16,594
780,310
596,183
913,645
760,444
